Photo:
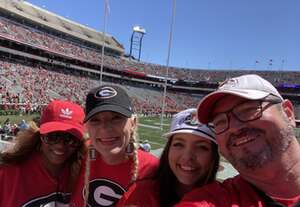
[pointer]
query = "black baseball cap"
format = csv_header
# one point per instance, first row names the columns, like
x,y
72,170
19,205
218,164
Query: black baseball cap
x,y
107,98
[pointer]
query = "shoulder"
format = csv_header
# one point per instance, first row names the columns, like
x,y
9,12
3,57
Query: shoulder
x,y
141,193
233,190
148,163
142,155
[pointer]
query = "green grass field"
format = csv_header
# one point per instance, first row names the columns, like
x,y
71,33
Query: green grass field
x,y
149,128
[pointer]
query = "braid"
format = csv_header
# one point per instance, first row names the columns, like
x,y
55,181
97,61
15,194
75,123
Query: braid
x,y
134,140
135,159
87,175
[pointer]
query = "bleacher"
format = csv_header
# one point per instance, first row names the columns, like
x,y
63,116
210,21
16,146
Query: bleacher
x,y
63,60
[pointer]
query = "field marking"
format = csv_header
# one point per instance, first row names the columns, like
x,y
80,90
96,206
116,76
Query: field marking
x,y
149,126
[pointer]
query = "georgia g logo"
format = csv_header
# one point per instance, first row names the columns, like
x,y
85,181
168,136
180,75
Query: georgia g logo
x,y
58,199
103,193
106,92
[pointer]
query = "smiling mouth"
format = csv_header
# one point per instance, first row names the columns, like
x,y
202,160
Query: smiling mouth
x,y
107,141
186,168
241,141
60,153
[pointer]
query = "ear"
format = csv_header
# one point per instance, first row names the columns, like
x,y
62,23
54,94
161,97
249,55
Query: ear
x,y
288,109
133,121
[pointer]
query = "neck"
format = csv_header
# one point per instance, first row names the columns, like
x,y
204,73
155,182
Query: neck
x,y
182,189
114,159
53,170
279,178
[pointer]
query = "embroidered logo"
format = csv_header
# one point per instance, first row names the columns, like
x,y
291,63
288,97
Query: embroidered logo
x,y
66,113
229,83
191,119
106,92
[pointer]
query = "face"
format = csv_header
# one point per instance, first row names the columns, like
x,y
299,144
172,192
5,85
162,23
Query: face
x,y
58,147
252,145
110,133
190,157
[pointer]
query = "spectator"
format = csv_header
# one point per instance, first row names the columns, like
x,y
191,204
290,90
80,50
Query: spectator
x,y
145,146
255,133
116,161
42,167
190,159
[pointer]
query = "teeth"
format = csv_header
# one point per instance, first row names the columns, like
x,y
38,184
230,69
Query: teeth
x,y
241,141
58,152
187,168
107,139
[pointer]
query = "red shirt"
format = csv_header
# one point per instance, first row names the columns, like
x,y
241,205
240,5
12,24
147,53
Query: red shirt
x,y
29,185
109,182
142,193
233,192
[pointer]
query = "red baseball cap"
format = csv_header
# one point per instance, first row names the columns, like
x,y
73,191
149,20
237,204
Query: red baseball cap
x,y
62,116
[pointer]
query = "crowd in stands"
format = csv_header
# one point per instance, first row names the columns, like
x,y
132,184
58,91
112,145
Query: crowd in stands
x,y
27,87
39,39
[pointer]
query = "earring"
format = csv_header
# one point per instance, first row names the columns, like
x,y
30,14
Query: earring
x,y
130,147
92,152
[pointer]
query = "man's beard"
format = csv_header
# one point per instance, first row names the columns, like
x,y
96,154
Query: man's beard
x,y
272,149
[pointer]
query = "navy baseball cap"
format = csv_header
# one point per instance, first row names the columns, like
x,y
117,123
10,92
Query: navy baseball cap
x,y
108,98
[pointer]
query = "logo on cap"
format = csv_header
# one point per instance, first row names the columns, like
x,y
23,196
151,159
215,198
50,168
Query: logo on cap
x,y
66,113
191,119
106,92
230,83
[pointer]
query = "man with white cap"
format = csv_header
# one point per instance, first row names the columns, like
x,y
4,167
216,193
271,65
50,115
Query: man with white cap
x,y
254,128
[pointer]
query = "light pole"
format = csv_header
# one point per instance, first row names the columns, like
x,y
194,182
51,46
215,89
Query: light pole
x,y
136,40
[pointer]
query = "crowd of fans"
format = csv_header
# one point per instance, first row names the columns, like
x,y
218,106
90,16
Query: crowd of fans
x,y
29,86
37,38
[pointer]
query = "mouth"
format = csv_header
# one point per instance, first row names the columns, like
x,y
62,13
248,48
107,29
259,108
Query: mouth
x,y
59,153
245,136
241,141
186,168
107,141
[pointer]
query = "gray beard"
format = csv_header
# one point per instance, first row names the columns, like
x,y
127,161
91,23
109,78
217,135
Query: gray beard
x,y
268,153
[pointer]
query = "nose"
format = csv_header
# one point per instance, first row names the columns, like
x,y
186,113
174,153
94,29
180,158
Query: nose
x,y
60,144
234,123
188,155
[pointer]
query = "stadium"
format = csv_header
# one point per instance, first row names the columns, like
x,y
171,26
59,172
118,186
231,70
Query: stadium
x,y
44,56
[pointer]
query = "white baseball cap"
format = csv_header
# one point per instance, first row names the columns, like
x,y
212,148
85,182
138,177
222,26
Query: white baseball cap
x,y
186,122
251,86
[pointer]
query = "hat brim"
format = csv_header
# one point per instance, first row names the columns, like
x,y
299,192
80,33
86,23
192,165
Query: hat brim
x,y
207,103
108,107
55,126
189,131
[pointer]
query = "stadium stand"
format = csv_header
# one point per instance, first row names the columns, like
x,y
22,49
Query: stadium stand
x,y
44,56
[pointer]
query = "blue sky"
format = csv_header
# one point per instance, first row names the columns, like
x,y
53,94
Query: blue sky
x,y
208,34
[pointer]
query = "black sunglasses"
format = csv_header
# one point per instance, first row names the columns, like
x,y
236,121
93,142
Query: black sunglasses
x,y
57,137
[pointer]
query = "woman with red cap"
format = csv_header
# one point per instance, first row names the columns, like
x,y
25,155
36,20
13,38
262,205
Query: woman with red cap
x,y
43,164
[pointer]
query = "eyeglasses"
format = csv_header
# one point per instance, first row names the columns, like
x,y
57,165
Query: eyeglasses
x,y
244,112
57,137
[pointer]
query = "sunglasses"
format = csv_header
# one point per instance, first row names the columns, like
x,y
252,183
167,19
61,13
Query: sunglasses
x,y
57,137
